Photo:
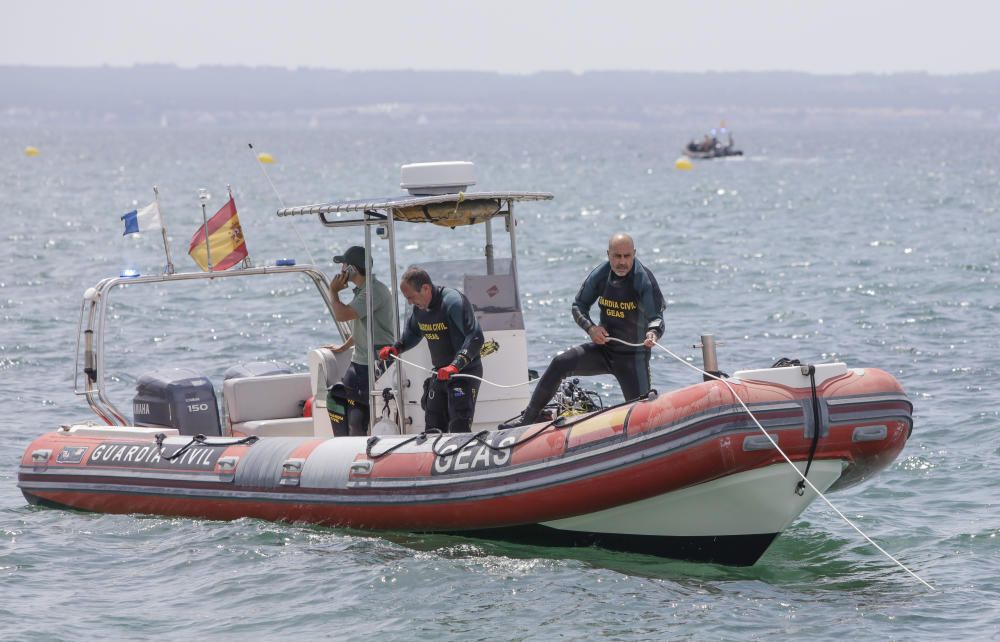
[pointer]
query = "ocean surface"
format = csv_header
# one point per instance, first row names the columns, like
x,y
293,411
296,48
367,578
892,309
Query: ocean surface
x,y
879,248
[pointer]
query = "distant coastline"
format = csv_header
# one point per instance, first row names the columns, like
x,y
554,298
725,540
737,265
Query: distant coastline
x,y
169,96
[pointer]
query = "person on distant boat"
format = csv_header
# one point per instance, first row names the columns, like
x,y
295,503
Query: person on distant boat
x,y
446,319
728,135
348,402
631,307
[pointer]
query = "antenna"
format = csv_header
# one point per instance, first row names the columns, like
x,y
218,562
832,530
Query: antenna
x,y
281,201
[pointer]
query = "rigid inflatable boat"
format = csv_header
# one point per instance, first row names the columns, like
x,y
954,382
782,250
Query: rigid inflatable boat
x,y
687,474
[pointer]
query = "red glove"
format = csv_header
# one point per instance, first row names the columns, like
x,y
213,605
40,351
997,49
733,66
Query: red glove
x,y
386,352
445,373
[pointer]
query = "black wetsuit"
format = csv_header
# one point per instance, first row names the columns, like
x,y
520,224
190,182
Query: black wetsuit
x,y
631,306
454,338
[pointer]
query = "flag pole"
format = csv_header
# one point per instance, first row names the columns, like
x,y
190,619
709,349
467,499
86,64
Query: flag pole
x,y
163,231
245,263
203,196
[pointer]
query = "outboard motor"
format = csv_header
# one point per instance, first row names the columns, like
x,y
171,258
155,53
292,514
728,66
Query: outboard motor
x,y
177,398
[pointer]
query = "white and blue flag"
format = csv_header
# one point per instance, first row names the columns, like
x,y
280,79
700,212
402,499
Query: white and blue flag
x,y
142,220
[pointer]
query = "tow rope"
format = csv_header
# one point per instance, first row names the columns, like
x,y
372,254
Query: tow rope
x,y
465,376
794,467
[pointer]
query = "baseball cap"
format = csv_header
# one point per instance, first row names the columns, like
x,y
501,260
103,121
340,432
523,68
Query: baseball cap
x,y
355,255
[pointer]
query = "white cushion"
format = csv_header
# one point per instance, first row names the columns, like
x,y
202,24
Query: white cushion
x,y
270,397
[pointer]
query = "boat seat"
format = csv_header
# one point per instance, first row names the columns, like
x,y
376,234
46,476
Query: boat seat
x,y
293,427
268,405
325,369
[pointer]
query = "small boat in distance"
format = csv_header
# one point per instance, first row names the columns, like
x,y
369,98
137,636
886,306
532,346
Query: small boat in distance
x,y
712,145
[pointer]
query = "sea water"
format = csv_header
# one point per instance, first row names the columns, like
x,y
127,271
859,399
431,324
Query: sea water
x,y
876,248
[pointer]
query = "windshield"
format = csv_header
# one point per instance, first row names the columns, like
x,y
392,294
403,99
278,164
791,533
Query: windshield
x,y
488,292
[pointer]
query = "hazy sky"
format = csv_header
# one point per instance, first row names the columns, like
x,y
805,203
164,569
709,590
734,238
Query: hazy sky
x,y
515,36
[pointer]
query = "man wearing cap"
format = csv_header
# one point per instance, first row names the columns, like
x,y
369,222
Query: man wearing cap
x,y
347,403
446,319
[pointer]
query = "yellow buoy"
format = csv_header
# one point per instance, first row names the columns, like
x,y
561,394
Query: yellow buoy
x,y
31,151
683,163
264,157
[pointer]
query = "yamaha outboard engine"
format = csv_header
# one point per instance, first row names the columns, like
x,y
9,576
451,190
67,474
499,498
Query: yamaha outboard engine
x,y
177,398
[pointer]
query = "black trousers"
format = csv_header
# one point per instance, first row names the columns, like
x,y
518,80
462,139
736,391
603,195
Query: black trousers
x,y
450,405
631,369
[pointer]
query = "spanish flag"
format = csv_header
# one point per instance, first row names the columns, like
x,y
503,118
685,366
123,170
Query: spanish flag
x,y
226,238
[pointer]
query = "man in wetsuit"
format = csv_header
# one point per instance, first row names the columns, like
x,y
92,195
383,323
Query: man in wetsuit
x,y
631,311
445,318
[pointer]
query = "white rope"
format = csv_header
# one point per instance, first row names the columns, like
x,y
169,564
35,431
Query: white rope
x,y
466,376
281,201
794,467
497,385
